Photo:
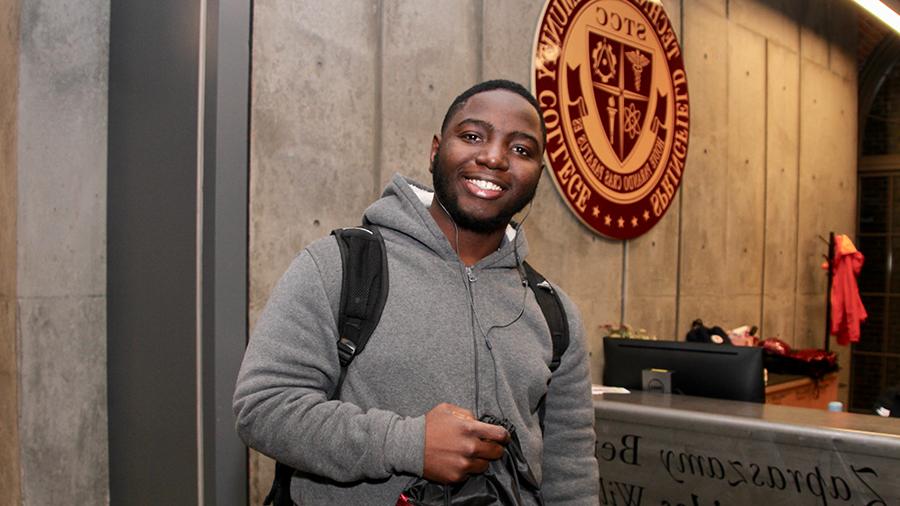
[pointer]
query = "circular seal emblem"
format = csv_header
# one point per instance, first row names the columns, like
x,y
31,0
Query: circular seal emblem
x,y
610,80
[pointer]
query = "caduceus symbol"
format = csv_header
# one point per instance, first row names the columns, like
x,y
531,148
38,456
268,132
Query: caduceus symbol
x,y
638,62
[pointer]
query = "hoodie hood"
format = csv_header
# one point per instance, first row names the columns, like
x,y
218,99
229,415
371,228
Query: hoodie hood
x,y
403,207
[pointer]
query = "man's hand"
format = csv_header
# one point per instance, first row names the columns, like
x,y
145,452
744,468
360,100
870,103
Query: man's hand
x,y
457,445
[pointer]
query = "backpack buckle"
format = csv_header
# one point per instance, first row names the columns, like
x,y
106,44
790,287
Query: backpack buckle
x,y
346,350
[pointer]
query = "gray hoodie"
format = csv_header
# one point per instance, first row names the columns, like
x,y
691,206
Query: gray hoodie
x,y
474,337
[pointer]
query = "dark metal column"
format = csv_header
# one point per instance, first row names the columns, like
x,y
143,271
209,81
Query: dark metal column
x,y
171,435
225,239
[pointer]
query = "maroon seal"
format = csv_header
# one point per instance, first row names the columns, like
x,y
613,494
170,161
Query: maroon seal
x,y
610,80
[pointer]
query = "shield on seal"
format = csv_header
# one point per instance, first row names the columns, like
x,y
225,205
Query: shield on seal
x,y
622,75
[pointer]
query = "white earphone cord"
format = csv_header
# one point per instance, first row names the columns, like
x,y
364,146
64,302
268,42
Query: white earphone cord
x,y
476,321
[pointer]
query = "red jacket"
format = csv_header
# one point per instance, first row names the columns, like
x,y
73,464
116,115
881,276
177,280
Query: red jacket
x,y
847,310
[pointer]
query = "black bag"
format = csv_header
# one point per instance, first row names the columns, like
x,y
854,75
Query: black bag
x,y
505,482
700,333
888,403
364,290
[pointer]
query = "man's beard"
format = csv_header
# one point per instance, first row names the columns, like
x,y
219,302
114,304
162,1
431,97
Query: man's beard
x,y
450,202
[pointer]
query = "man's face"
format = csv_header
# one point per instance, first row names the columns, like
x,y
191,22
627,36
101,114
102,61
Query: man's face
x,y
486,164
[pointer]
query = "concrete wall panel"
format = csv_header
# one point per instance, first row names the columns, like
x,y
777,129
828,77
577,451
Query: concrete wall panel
x,y
62,148
746,180
827,197
9,401
720,7
313,129
827,177
704,184
652,266
651,277
778,315
431,53
9,84
10,471
596,311
673,10
655,315
810,321
63,413
814,30
842,35
773,19
782,151
509,39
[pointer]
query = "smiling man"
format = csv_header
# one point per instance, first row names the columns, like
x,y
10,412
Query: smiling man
x,y
461,336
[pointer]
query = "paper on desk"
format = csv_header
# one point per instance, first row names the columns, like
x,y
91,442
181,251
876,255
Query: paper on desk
x,y
601,389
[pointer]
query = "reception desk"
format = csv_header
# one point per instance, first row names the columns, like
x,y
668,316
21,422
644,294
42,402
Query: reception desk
x,y
802,391
670,450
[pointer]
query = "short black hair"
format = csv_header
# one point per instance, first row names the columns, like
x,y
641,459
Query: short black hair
x,y
495,84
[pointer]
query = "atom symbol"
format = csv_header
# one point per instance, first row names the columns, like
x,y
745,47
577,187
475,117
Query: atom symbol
x,y
632,121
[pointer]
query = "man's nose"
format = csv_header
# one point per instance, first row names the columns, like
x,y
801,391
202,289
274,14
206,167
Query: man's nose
x,y
493,156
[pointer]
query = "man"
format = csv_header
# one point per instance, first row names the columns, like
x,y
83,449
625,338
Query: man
x,y
460,336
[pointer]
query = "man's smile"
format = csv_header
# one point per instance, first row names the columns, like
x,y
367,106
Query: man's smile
x,y
483,188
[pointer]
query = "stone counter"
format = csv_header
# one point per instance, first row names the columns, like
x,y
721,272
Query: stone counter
x,y
664,450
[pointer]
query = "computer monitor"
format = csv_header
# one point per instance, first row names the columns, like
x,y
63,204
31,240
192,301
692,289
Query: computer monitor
x,y
706,370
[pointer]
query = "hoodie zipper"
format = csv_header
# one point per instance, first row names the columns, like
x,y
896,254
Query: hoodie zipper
x,y
471,277
470,281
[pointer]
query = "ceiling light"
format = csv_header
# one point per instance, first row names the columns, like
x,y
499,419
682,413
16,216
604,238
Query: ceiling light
x,y
882,12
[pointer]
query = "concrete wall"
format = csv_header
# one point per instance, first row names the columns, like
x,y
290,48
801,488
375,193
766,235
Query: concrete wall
x,y
9,78
344,94
54,281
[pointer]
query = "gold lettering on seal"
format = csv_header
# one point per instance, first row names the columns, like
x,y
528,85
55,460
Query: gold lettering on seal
x,y
555,26
621,24
662,195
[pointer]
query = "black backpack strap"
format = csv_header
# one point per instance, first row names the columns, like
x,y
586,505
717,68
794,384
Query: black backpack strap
x,y
364,290
280,493
555,314
553,310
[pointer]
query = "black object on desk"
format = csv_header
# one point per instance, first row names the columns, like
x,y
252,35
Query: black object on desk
x,y
700,369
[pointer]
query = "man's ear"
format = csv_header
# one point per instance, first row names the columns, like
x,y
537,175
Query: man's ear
x,y
435,144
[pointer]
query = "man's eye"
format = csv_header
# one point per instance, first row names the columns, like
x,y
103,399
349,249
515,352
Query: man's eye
x,y
470,137
522,150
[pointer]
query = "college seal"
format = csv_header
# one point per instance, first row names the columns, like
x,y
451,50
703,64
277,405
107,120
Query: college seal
x,y
610,80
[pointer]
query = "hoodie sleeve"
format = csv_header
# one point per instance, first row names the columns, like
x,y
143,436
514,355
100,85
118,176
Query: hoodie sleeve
x,y
290,367
570,472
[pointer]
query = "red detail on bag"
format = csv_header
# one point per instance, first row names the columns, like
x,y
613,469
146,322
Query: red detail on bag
x,y
776,346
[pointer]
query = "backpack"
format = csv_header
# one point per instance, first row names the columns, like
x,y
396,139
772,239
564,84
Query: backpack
x,y
364,291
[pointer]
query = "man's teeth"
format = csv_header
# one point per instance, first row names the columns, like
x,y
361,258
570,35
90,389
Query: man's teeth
x,y
485,185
